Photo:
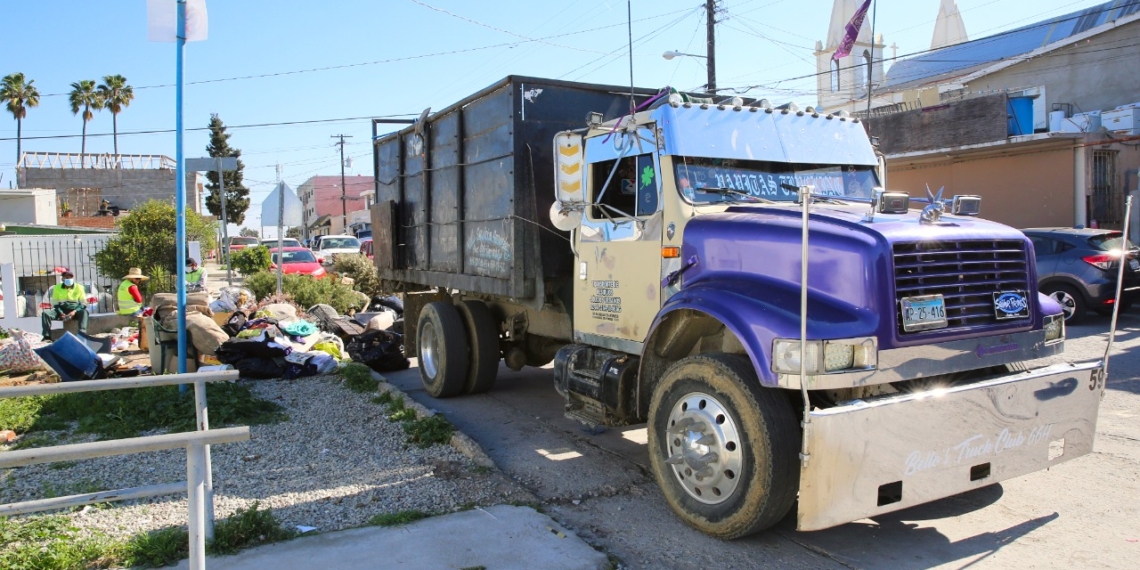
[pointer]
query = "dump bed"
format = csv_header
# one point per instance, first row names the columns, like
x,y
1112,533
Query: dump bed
x,y
462,198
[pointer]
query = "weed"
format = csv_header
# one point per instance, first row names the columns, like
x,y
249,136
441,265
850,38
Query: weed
x,y
474,568
358,378
62,465
426,432
404,415
156,549
383,399
126,413
397,518
246,528
50,542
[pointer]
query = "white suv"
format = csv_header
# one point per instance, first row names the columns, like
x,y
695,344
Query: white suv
x,y
331,246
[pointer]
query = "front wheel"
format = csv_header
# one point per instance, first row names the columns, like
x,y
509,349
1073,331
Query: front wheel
x,y
723,449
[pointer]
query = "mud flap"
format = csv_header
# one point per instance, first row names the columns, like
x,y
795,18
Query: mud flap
x,y
870,458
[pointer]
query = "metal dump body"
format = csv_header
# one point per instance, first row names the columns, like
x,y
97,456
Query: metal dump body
x,y
462,198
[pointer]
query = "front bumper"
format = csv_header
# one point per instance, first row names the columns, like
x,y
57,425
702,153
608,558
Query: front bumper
x,y
871,458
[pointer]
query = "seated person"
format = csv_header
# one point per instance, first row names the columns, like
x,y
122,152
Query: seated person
x,y
129,297
68,300
195,276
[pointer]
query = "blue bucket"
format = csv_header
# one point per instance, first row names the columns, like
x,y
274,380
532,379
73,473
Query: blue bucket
x,y
71,358
1020,111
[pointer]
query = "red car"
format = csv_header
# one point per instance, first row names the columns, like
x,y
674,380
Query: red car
x,y
297,260
366,247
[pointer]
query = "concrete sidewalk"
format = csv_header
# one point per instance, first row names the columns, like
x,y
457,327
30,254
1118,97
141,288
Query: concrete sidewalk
x,y
498,538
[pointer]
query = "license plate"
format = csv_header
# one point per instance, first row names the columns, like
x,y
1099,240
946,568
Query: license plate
x,y
1134,264
923,313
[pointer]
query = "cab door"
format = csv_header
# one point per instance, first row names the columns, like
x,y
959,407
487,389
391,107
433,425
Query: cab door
x,y
618,288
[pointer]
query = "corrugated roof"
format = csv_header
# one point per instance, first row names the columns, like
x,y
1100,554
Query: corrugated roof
x,y
963,58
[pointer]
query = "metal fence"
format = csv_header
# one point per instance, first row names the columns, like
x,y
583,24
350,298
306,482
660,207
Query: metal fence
x,y
38,261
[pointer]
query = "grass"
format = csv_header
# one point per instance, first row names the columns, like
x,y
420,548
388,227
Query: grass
x,y
426,432
358,378
53,543
398,518
126,413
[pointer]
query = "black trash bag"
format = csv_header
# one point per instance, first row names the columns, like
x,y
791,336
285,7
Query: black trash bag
x,y
382,351
380,302
234,325
259,367
234,350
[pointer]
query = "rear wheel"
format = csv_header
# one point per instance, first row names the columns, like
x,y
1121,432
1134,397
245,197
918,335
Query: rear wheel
x,y
483,340
723,449
442,349
1070,299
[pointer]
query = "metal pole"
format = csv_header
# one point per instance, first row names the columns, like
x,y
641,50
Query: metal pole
x,y
281,232
225,224
196,502
343,196
871,69
180,193
710,24
202,414
805,200
1119,283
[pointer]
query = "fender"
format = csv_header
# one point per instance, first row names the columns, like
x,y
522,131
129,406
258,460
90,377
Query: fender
x,y
756,311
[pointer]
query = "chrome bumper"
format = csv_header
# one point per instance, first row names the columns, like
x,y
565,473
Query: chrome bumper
x,y
867,459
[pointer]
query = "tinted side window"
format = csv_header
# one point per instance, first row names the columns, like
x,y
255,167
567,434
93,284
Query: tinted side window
x,y
1043,245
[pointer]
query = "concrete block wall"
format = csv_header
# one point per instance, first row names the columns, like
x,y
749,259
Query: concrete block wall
x,y
121,187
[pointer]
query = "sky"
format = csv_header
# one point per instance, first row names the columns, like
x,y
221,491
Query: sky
x,y
287,75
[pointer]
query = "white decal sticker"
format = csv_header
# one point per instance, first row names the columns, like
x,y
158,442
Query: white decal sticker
x,y
972,449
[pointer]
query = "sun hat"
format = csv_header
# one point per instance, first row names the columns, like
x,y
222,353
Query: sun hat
x,y
135,273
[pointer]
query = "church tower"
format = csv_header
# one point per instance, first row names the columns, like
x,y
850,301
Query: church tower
x,y
949,29
842,84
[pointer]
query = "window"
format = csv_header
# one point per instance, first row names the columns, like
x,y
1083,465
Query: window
x,y
834,76
631,189
762,179
867,63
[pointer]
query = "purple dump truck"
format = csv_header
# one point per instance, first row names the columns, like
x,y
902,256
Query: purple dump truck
x,y
739,278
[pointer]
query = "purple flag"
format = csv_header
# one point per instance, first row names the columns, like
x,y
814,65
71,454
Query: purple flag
x,y
852,32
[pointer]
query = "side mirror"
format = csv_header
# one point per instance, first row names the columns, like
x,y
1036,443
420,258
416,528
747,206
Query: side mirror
x,y
321,260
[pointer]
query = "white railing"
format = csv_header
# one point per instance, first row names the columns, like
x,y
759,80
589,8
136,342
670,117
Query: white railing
x,y
60,160
199,484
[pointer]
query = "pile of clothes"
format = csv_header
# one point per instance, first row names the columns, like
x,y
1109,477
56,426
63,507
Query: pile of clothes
x,y
279,341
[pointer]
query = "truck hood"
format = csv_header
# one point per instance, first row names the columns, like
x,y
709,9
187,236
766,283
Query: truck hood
x,y
852,266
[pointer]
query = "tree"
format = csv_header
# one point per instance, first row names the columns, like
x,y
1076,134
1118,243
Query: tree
x,y
84,96
293,232
116,95
19,94
146,239
248,232
237,195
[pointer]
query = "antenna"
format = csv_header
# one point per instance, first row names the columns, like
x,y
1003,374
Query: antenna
x,y
629,30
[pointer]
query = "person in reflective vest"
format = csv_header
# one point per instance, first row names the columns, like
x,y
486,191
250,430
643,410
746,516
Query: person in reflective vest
x,y
195,276
129,297
68,301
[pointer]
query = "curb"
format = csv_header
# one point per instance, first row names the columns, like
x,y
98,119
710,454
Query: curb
x,y
459,440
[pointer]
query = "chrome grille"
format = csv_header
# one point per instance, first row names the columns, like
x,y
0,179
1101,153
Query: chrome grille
x,y
966,273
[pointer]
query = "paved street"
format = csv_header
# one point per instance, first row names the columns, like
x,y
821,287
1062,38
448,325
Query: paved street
x,y
1081,514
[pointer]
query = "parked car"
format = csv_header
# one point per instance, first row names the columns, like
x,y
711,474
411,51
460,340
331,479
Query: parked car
x,y
286,242
1078,268
330,246
366,247
296,260
238,243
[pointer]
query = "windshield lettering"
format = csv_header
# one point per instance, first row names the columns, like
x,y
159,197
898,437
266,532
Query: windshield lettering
x,y
762,179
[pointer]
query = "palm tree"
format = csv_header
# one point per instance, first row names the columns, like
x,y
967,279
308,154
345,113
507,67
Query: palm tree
x,y
116,95
84,96
19,95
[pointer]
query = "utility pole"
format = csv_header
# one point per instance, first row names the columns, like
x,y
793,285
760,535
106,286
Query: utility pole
x,y
710,18
343,197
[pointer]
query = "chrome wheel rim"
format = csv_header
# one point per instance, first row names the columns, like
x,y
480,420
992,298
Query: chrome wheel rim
x,y
703,446
428,349
1068,303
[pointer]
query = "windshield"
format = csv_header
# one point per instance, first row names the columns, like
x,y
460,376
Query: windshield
x,y
286,242
1109,241
340,243
763,179
244,240
300,256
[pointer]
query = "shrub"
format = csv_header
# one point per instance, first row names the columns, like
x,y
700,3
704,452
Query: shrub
x,y
146,239
250,260
362,272
358,378
305,290
247,527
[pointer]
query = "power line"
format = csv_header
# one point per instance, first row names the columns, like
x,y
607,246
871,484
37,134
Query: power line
x,y
250,126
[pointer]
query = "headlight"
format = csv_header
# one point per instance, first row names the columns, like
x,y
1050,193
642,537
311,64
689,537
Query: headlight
x,y
1054,327
828,356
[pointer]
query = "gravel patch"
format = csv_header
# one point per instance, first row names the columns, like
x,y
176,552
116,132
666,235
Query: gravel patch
x,y
334,464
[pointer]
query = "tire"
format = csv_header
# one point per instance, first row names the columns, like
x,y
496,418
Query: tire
x,y
441,346
483,340
752,483
1071,300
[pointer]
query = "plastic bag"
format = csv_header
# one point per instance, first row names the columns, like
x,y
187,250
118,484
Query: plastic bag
x,y
18,355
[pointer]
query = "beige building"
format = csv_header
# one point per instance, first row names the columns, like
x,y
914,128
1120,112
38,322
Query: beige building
x,y
82,182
